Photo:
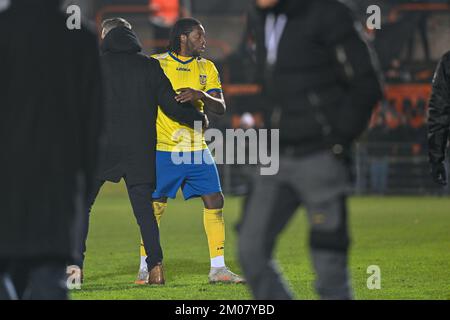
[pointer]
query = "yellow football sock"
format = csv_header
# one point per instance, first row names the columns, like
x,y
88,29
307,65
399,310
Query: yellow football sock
x,y
215,231
158,210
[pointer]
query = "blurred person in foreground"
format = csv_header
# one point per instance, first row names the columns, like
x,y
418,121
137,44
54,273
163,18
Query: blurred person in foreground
x,y
134,86
50,119
320,77
439,121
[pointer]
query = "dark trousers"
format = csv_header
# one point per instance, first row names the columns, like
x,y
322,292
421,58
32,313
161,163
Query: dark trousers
x,y
141,201
320,182
33,279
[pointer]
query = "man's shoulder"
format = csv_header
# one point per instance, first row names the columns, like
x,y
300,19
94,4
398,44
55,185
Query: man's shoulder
x,y
208,64
204,60
145,63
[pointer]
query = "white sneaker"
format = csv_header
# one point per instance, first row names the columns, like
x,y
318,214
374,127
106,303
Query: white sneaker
x,y
142,277
224,275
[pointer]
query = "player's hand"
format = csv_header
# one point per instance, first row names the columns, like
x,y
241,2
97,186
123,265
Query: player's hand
x,y
189,95
439,173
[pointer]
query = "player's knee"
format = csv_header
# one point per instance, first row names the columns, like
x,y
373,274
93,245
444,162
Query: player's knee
x,y
214,201
161,200
329,225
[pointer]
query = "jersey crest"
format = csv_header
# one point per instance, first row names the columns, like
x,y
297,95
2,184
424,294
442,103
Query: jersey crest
x,y
203,79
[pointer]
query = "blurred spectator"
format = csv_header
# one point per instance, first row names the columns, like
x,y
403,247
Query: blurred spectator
x,y
243,61
397,73
406,130
394,122
50,119
378,152
317,73
416,124
421,20
164,15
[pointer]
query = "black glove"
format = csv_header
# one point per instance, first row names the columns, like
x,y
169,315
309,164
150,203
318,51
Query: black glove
x,y
439,173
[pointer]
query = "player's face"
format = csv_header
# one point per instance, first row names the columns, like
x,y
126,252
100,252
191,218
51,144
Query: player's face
x,y
196,41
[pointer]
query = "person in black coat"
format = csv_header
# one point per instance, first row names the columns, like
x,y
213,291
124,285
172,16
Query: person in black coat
x,y
50,120
134,87
320,98
319,76
439,121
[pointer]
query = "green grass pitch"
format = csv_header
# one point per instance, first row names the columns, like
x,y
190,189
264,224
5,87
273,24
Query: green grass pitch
x,y
407,237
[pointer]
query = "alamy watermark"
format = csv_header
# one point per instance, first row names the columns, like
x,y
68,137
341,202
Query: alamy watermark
x,y
73,281
374,21
236,146
374,280
73,22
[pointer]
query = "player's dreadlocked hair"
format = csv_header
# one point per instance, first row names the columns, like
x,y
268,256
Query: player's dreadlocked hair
x,y
182,26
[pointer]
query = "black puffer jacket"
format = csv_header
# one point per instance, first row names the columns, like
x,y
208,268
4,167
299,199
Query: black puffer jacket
x,y
439,112
134,86
324,85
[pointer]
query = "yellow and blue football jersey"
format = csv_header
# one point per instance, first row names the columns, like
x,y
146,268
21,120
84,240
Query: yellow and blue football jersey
x,y
183,72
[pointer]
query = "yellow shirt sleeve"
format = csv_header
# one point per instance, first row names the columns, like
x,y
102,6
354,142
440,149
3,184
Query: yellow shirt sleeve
x,y
213,83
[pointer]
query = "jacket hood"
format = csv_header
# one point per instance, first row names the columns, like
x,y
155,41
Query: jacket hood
x,y
121,40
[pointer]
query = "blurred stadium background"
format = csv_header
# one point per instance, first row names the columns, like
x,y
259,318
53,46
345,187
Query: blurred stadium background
x,y
391,158
407,236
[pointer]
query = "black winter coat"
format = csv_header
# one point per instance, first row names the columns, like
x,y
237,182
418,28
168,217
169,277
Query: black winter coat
x,y
134,87
50,119
324,85
439,112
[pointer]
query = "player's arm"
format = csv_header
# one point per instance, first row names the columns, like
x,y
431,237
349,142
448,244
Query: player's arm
x,y
184,113
214,101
